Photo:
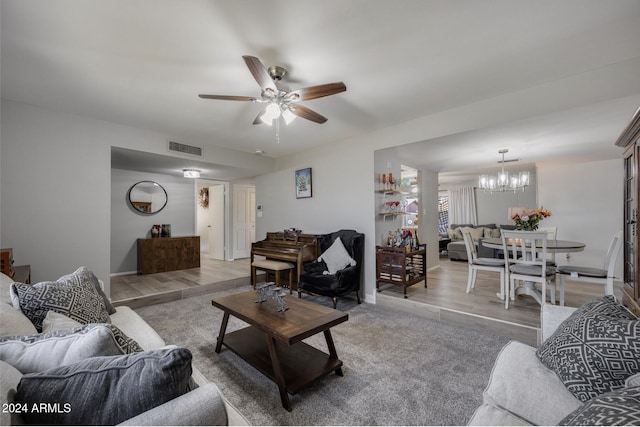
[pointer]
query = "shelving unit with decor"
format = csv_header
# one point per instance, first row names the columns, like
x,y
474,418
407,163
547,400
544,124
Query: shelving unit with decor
x,y
385,194
400,266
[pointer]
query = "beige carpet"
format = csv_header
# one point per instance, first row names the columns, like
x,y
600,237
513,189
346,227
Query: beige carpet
x,y
399,369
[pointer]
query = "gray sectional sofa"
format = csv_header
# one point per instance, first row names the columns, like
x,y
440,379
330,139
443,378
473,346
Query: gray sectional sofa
x,y
204,404
456,250
523,390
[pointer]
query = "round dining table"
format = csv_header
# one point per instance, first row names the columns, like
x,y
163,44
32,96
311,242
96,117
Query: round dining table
x,y
557,246
553,246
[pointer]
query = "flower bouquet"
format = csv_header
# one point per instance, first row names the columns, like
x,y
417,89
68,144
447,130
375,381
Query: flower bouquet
x,y
529,219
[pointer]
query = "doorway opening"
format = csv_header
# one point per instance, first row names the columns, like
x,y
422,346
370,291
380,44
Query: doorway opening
x,y
212,218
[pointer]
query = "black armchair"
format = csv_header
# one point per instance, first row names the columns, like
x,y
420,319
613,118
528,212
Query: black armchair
x,y
344,281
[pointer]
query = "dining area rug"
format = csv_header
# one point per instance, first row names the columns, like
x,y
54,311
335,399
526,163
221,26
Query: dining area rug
x,y
399,368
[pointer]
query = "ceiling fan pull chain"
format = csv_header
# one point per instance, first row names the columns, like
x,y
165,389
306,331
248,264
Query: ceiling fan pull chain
x,y
277,130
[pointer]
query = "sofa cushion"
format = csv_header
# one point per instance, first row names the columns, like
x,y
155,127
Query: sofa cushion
x,y
457,233
595,350
131,324
476,233
35,353
489,415
9,379
616,408
522,385
13,322
74,295
492,233
55,321
106,390
336,257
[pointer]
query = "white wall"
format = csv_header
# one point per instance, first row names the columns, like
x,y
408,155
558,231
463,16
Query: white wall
x,y
585,200
127,225
55,185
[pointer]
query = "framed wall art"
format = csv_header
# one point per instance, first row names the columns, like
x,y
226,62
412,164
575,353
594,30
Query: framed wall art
x,y
303,183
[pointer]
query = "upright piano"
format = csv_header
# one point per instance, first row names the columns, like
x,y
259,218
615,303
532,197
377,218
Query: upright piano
x,y
287,246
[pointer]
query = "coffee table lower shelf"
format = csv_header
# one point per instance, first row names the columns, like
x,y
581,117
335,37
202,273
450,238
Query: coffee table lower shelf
x,y
300,363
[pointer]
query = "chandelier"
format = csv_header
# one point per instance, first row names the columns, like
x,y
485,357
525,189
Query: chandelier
x,y
502,181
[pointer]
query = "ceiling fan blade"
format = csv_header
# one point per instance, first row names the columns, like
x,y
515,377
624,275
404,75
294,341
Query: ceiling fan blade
x,y
258,119
260,73
228,97
309,114
314,92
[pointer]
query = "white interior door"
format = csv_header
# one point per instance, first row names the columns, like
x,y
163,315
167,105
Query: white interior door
x,y
216,222
244,220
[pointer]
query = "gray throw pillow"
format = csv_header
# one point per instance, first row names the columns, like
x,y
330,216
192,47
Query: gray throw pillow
x,y
106,390
35,353
75,295
594,350
616,408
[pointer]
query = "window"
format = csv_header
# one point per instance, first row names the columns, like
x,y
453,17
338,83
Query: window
x,y
443,213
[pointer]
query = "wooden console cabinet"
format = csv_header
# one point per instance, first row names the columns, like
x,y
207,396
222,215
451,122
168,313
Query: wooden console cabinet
x,y
161,254
397,266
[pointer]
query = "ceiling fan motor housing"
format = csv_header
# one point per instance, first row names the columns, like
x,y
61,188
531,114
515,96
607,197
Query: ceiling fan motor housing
x,y
277,73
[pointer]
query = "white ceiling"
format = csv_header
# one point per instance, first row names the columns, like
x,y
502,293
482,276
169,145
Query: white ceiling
x,y
144,62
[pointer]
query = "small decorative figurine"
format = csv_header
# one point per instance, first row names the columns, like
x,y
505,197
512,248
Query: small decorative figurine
x,y
270,290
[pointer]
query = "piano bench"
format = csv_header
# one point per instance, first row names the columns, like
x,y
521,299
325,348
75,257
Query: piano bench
x,y
275,267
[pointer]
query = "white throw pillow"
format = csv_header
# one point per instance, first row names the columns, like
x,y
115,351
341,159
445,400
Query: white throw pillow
x,y
476,233
336,257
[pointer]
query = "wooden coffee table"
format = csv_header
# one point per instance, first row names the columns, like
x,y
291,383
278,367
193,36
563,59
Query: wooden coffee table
x,y
291,364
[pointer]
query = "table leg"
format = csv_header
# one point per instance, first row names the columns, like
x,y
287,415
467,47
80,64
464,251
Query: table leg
x,y
332,350
277,372
223,329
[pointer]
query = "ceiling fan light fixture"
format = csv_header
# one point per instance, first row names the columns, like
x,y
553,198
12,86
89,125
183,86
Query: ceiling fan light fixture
x,y
271,113
288,116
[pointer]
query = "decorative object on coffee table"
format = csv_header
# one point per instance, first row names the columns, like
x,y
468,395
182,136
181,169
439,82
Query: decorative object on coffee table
x,y
166,230
270,290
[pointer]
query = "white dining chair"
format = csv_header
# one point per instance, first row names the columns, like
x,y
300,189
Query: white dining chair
x,y
604,275
552,234
485,264
525,258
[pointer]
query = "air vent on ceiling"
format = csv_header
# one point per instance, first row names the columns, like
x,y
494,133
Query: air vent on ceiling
x,y
184,148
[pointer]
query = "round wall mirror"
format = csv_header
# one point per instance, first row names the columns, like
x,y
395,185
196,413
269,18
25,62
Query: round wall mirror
x,y
147,197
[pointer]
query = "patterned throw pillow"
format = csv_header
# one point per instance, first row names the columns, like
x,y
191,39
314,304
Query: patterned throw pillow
x,y
617,408
74,295
106,390
595,350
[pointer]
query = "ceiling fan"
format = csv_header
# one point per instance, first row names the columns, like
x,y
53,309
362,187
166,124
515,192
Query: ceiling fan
x,y
281,101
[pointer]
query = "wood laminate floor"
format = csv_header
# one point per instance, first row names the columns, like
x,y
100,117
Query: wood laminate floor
x,y
445,298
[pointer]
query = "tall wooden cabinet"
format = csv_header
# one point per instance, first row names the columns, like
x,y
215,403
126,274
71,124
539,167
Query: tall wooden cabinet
x,y
630,139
